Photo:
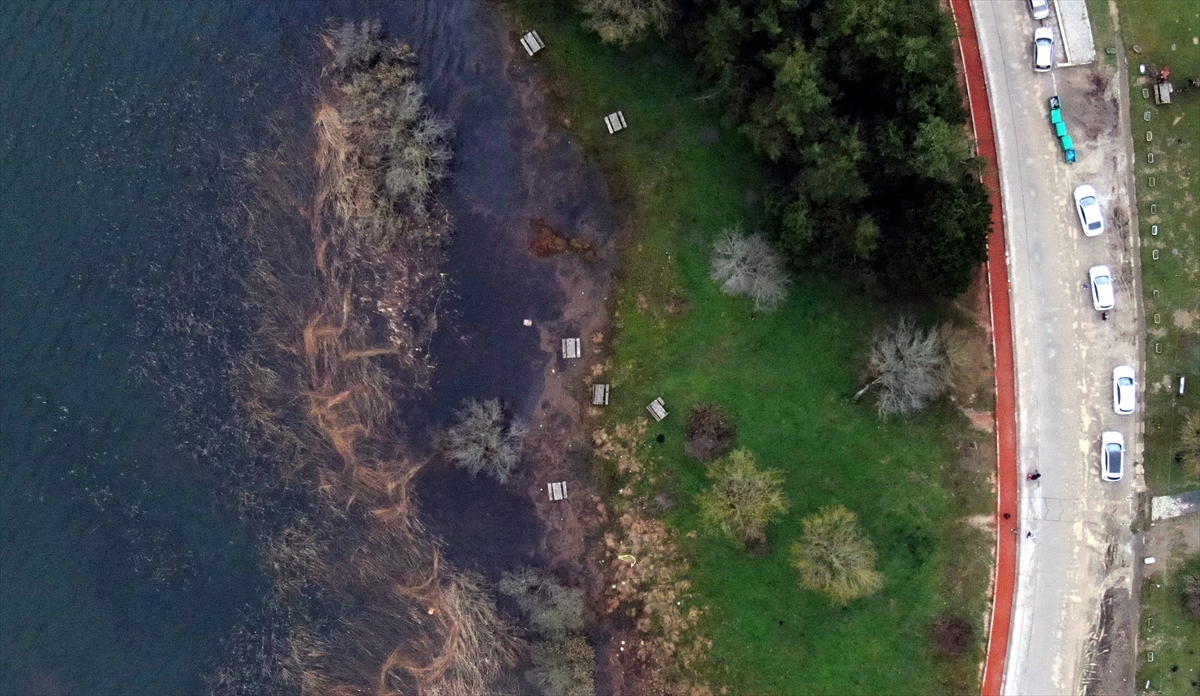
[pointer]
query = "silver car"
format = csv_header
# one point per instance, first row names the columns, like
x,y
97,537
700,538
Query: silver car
x,y
1112,456
1103,296
1039,8
1124,390
1087,204
1043,49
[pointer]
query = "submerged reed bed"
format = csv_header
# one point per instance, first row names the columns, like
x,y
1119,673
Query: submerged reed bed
x,y
342,285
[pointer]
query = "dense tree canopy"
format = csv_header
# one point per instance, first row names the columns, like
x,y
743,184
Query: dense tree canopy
x,y
856,104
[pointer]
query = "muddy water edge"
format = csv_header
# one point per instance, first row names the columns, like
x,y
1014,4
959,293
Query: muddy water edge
x,y
517,175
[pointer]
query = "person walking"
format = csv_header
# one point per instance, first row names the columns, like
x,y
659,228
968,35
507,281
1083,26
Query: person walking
x,y
1034,476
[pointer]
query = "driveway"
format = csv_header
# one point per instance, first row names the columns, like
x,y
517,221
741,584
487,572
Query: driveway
x,y
1075,558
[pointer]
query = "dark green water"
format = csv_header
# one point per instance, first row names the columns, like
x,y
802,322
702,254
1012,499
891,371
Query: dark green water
x,y
119,571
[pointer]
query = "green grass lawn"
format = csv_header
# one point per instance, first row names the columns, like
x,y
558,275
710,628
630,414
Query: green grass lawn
x,y
1169,636
787,378
1166,32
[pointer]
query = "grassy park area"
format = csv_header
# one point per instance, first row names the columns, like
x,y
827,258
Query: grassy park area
x,y
1167,146
1170,636
680,175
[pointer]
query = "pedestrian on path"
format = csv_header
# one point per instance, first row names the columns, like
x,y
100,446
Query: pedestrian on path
x,y
1034,476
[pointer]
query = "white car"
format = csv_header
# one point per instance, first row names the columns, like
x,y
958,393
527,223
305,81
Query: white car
x,y
1124,390
1043,49
1087,204
1039,8
1103,295
1112,456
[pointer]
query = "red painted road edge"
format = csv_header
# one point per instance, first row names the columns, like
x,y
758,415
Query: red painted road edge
x,y
1002,340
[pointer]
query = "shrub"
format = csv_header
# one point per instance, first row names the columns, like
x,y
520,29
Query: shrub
x,y
563,662
834,557
1191,594
749,266
485,439
951,635
625,21
553,609
909,365
564,666
1189,454
710,433
743,500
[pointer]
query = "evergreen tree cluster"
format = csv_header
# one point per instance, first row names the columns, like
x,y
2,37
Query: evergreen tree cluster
x,y
856,105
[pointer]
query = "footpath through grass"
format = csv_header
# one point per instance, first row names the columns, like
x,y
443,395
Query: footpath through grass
x,y
1158,33
787,378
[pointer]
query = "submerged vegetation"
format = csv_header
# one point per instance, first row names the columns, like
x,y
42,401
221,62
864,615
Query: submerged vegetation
x,y
340,287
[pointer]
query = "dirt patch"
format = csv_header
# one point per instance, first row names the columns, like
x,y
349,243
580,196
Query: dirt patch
x,y
1112,646
1183,319
1170,539
546,242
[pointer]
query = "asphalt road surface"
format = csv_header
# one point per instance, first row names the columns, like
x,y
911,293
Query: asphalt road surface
x,y
1075,541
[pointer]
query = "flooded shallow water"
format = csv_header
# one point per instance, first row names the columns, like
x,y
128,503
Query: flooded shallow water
x,y
122,570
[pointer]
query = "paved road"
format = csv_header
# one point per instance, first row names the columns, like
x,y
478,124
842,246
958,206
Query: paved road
x,y
1081,545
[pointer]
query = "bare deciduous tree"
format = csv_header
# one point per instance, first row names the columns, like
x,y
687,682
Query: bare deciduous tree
x,y
834,557
743,499
749,266
563,661
485,439
908,364
625,21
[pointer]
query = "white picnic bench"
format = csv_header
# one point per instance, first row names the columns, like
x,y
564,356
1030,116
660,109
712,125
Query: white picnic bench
x,y
615,122
599,394
557,491
657,409
532,43
571,348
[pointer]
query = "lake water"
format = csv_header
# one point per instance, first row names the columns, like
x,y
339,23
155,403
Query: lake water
x,y
120,568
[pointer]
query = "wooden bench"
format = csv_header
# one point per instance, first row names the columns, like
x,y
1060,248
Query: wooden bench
x,y
570,348
1162,92
657,409
615,122
557,491
532,42
599,394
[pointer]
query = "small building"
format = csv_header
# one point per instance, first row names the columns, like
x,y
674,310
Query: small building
x,y
599,394
532,43
657,409
571,348
615,122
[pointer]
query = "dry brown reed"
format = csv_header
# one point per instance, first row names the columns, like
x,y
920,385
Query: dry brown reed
x,y
342,291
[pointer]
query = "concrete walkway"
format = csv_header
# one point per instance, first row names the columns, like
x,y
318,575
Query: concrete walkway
x,y
1164,507
1075,29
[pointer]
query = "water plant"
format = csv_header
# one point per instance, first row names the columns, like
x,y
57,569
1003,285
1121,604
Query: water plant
x,y
340,290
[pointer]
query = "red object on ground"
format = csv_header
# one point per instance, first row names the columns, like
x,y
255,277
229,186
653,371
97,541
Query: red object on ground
x,y
1002,340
